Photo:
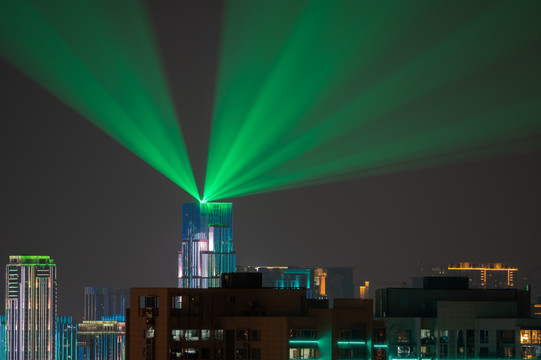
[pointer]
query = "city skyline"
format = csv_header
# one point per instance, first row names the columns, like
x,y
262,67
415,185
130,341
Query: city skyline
x,y
110,220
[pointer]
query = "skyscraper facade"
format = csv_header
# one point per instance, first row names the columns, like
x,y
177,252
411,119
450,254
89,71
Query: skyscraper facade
x,y
207,245
31,293
66,338
104,302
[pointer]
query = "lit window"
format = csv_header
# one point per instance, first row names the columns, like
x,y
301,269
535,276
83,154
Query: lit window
x,y
404,336
191,335
205,335
175,335
302,353
176,302
219,334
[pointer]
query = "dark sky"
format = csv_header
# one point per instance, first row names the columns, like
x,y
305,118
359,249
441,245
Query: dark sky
x,y
109,219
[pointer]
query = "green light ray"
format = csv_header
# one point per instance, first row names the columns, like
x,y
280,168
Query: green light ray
x,y
344,90
99,58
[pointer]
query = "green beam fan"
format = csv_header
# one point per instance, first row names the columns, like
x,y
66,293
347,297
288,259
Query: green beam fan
x,y
311,92
100,58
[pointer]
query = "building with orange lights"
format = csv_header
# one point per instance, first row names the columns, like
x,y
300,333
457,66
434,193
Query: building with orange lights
x,y
486,275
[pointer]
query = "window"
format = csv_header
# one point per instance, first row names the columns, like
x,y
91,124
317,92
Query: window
x,y
483,353
345,334
302,353
205,335
256,335
242,353
176,302
149,333
304,334
405,351
530,336
148,302
506,336
175,335
219,334
205,353
190,353
256,354
242,335
483,336
427,338
218,353
404,336
191,335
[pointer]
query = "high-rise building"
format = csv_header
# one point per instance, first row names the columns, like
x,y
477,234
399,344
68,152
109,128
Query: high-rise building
x,y
207,245
66,338
104,302
101,340
31,292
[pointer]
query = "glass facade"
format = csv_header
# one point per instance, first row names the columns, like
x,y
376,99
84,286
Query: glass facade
x,y
31,293
207,245
66,338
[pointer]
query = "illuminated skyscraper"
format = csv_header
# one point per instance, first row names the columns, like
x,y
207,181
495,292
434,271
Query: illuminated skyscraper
x,y
108,301
207,245
66,338
30,308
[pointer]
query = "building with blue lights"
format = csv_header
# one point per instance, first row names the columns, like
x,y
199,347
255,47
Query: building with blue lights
x,y
206,246
102,302
101,339
2,337
66,338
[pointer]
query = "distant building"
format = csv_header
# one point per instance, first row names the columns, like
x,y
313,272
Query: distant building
x,y
2,337
364,290
245,322
66,338
486,275
319,283
101,340
102,302
207,245
31,294
446,319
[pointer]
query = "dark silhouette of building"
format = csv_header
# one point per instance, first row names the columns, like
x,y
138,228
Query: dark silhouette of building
x,y
241,320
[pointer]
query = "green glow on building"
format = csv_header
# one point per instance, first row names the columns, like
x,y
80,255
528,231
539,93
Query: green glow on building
x,y
101,59
303,342
352,89
347,343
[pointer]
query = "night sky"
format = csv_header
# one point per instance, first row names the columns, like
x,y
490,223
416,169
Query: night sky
x,y
109,219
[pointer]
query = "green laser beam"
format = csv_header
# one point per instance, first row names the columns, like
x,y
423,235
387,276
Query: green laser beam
x,y
100,58
320,91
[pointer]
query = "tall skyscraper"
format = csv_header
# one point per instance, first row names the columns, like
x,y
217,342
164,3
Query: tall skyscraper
x,y
207,245
31,293
104,302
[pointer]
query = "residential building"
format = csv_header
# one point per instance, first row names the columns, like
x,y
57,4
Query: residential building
x,y
447,320
243,320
